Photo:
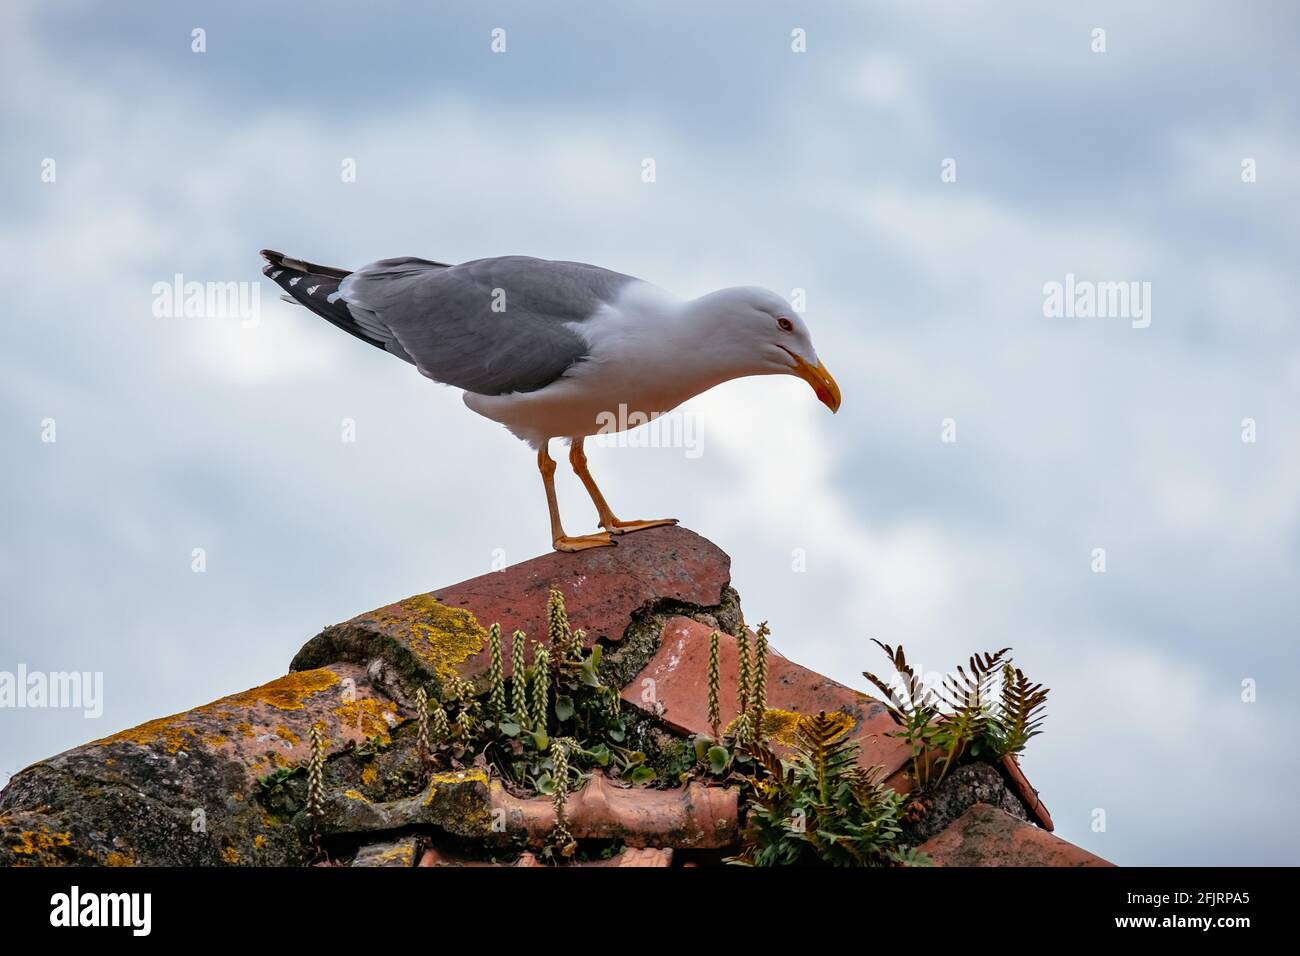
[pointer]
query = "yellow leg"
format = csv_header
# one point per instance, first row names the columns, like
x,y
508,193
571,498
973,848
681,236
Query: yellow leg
x,y
578,459
560,540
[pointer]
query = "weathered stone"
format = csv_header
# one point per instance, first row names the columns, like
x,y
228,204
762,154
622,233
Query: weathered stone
x,y
628,856
960,790
185,790
397,853
456,802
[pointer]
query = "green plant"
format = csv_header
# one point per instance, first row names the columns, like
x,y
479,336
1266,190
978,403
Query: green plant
x,y
758,692
820,805
1020,713
518,675
566,645
439,728
316,785
558,695
496,676
562,841
715,683
968,717
742,728
541,684
913,707
423,750
966,696
276,777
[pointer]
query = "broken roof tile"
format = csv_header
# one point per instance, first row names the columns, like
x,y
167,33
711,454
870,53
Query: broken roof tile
x,y
675,686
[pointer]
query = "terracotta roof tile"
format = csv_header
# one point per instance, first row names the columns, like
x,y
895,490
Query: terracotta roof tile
x,y
602,586
987,836
674,685
443,633
1020,784
696,815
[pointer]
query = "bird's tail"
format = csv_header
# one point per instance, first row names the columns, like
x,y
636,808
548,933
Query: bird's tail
x,y
317,288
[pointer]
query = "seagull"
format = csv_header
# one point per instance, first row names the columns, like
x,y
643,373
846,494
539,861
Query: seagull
x,y
553,349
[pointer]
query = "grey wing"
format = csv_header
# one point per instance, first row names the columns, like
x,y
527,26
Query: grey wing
x,y
489,326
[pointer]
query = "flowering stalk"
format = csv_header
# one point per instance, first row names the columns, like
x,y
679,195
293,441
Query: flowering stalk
x,y
715,683
518,678
496,676
541,688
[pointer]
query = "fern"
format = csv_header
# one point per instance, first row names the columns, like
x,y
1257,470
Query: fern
x,y
914,710
1021,713
966,718
818,805
822,744
967,697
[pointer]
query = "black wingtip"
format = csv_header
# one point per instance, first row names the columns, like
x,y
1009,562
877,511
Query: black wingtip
x,y
271,256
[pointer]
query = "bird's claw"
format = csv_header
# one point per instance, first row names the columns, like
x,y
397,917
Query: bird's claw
x,y
581,542
627,527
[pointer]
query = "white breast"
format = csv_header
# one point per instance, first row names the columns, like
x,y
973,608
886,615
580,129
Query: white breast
x,y
640,364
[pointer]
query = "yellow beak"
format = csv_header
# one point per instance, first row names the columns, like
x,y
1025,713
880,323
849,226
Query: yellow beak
x,y
822,382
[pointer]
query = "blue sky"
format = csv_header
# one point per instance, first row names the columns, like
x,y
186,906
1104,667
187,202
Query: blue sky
x,y
816,170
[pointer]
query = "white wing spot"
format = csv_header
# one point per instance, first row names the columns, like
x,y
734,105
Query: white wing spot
x,y
276,273
311,290
294,280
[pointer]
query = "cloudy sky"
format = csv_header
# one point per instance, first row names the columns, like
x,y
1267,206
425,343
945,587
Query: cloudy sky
x,y
821,170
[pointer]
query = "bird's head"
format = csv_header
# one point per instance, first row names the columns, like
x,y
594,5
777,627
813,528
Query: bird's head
x,y
761,334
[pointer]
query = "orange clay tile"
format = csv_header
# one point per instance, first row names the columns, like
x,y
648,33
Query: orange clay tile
x,y
987,836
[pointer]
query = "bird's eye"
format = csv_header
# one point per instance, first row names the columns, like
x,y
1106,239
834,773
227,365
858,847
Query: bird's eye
x,y
785,324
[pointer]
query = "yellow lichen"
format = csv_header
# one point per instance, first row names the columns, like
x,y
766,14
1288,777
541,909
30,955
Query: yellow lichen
x,y
473,775
285,734
780,726
355,795
284,693
399,854
259,841
167,731
366,716
118,859
369,775
230,855
443,637
38,843
173,733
